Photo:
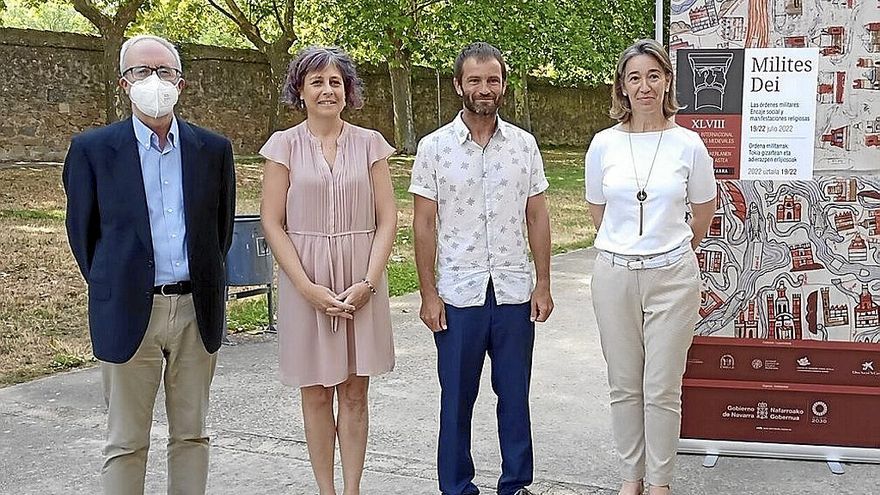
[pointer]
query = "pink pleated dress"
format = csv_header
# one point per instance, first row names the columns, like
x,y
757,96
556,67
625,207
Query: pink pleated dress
x,y
331,221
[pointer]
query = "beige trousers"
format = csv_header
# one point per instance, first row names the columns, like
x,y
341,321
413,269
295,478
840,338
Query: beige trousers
x,y
130,388
646,324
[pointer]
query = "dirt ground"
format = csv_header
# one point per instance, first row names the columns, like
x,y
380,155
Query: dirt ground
x,y
42,304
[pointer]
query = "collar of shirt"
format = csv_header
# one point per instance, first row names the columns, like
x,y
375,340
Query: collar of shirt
x,y
148,139
464,134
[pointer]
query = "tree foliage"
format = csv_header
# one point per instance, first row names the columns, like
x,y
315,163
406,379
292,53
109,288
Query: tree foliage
x,y
595,43
110,17
270,26
392,32
373,30
569,41
189,21
46,15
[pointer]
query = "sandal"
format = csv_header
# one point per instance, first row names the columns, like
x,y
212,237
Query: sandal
x,y
628,484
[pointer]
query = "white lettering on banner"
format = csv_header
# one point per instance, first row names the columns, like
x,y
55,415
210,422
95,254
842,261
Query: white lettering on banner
x,y
707,124
763,412
782,410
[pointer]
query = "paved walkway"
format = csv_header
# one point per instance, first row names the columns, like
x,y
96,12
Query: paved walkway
x,y
51,430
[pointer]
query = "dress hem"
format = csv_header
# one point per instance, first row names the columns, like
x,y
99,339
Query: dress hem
x,y
291,383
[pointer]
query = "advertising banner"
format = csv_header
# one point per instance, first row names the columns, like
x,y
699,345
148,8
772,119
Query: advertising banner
x,y
786,361
780,413
786,95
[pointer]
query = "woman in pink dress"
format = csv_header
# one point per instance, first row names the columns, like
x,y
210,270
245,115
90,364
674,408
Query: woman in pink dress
x,y
329,215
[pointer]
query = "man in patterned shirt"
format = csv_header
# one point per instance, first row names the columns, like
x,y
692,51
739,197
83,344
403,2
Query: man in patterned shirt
x,y
478,185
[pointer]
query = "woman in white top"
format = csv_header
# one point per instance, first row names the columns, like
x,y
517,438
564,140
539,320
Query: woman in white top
x,y
651,191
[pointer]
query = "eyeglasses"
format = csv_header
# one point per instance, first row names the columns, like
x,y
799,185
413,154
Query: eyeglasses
x,y
141,72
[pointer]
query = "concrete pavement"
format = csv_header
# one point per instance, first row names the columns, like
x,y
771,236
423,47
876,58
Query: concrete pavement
x,y
52,429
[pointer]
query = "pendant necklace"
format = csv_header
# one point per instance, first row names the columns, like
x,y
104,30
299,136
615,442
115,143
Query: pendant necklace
x,y
641,195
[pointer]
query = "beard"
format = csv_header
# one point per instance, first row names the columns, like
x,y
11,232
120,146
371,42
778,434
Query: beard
x,y
482,107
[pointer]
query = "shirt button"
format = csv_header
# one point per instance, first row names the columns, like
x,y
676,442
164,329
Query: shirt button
x,y
177,264
174,236
166,183
169,210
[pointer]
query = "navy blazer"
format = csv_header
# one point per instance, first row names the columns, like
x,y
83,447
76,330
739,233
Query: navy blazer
x,y
108,227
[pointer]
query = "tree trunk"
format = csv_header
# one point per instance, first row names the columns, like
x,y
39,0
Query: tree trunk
x,y
112,31
116,105
521,110
278,58
401,97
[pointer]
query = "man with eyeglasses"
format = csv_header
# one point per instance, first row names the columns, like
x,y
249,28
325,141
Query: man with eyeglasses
x,y
150,207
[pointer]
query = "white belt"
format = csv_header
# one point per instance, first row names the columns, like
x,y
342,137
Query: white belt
x,y
637,262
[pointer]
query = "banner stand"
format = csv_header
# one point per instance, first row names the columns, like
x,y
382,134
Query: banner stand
x,y
829,454
786,358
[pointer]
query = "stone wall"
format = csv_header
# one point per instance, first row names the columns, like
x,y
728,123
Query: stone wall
x,y
54,90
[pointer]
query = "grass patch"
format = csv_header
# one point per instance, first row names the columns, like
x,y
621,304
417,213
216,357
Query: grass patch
x,y
564,169
249,315
400,173
249,183
571,246
33,214
65,361
402,277
249,160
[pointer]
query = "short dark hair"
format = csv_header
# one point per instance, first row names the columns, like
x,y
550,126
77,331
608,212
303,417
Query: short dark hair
x,y
481,51
314,58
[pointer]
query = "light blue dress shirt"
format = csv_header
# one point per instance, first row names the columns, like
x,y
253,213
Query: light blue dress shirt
x,y
162,170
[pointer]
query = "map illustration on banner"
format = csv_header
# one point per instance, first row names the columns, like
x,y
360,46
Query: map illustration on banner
x,y
794,261
846,34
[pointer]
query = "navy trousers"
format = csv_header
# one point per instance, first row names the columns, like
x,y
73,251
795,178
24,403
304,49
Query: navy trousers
x,y
507,335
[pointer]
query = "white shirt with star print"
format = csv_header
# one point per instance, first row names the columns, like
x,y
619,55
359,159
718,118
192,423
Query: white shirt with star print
x,y
481,196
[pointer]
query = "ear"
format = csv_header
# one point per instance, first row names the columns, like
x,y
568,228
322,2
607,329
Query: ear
x,y
124,84
457,85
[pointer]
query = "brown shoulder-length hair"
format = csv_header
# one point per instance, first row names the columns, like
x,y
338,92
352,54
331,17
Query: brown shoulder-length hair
x,y
314,58
620,109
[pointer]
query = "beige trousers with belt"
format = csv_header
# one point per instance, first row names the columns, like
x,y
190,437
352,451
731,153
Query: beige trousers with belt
x,y
646,324
172,339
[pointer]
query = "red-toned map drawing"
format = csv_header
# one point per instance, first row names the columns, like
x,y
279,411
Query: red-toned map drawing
x,y
794,261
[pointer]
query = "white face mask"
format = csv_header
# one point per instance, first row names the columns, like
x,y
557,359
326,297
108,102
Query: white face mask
x,y
153,96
